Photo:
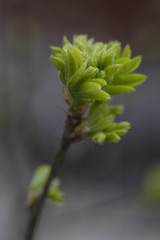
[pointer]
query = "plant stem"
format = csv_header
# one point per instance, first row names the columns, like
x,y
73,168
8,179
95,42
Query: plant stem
x,y
36,209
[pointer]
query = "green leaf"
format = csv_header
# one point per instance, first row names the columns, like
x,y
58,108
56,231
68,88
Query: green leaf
x,y
38,182
112,137
101,123
82,43
122,125
98,45
72,60
111,70
121,132
98,137
122,61
59,64
56,49
72,63
124,64
99,96
90,90
116,46
132,65
129,80
107,57
100,116
117,110
101,74
78,55
57,61
87,87
117,89
79,74
65,40
40,176
127,52
56,197
55,194
100,81
97,111
118,126
90,72
93,61
66,63
82,75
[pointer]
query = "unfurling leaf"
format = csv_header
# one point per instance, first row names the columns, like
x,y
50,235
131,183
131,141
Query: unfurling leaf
x,y
98,137
127,52
81,76
118,89
111,70
56,49
92,73
112,137
132,65
84,62
100,81
129,80
37,185
91,90
117,110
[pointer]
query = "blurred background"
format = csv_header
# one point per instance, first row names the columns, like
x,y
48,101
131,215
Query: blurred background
x,y
112,191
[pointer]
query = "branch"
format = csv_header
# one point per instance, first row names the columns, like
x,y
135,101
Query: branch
x,y
36,209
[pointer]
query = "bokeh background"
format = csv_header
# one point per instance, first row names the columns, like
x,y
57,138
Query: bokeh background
x,y
104,185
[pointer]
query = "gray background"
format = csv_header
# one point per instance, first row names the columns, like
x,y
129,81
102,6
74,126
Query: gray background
x,y
102,183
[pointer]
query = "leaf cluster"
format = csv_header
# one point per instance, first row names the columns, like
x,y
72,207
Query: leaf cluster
x,y
94,70
37,185
99,125
91,72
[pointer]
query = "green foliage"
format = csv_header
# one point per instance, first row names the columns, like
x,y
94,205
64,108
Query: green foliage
x,y
99,124
91,72
151,186
94,71
37,184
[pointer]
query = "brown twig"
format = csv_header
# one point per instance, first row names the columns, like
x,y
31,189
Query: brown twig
x,y
73,119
